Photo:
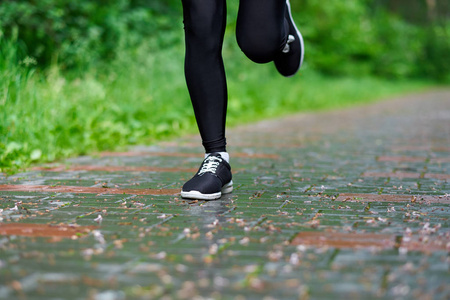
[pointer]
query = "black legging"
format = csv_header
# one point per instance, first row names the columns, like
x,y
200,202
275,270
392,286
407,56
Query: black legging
x,y
261,33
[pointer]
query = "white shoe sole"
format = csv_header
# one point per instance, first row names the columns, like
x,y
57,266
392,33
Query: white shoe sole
x,y
226,189
288,4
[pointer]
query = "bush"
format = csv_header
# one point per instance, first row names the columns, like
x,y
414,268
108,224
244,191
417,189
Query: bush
x,y
132,89
77,33
360,37
399,47
339,35
435,59
354,38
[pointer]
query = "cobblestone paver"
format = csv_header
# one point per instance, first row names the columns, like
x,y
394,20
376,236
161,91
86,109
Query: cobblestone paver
x,y
350,204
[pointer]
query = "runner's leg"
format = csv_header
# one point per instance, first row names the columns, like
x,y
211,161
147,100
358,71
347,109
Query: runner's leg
x,y
204,22
261,29
266,32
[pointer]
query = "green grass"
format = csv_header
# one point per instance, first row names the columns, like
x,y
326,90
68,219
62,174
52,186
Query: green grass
x,y
141,98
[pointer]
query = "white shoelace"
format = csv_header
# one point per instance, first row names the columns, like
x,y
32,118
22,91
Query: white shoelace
x,y
210,165
291,38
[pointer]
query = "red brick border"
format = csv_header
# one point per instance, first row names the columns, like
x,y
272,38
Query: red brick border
x,y
43,230
63,168
182,154
85,190
407,175
392,198
420,148
402,159
366,240
392,174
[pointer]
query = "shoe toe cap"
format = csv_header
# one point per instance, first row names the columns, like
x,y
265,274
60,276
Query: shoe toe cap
x,y
203,184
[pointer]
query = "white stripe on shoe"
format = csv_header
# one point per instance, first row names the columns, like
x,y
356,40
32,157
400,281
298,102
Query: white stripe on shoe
x,y
288,4
226,189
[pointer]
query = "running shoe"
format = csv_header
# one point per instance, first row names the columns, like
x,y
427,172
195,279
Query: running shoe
x,y
290,59
211,181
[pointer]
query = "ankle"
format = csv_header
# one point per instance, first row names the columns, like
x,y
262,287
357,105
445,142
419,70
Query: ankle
x,y
224,155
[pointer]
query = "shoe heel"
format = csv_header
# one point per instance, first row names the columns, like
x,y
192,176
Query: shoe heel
x,y
227,188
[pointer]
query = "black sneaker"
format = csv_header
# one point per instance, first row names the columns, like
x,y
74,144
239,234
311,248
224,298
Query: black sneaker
x,y
211,181
290,59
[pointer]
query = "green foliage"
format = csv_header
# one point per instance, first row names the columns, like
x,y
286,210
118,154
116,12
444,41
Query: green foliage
x,y
436,54
394,34
141,98
77,33
47,116
339,35
342,37
78,77
358,37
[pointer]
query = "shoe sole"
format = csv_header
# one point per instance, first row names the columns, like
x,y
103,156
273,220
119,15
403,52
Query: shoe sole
x,y
226,189
288,4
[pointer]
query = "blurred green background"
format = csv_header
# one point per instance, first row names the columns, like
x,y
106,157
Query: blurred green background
x,y
83,76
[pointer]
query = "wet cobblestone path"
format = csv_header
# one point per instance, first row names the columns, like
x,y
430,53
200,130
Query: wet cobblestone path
x,y
350,204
